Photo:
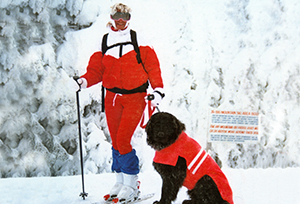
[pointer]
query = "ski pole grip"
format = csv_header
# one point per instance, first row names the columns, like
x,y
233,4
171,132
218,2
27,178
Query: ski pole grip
x,y
76,79
150,97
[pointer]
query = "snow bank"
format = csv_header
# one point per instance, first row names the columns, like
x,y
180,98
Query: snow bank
x,y
260,186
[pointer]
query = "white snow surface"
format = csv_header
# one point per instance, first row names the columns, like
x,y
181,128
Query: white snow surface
x,y
259,186
227,55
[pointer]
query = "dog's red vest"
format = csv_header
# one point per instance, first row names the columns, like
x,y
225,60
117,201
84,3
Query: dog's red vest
x,y
199,163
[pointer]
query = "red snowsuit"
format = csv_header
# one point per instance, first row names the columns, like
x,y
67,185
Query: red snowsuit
x,y
119,68
199,163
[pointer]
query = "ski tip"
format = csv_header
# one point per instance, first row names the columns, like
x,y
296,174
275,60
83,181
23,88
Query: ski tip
x,y
106,197
115,200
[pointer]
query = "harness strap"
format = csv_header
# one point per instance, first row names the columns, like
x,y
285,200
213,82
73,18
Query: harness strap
x,y
133,42
136,47
140,89
104,44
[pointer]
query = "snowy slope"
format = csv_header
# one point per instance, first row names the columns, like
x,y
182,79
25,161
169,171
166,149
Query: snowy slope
x,y
276,186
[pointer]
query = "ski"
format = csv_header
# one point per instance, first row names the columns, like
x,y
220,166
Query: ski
x,y
139,199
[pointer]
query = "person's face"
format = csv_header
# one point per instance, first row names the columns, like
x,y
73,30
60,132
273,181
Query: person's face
x,y
120,24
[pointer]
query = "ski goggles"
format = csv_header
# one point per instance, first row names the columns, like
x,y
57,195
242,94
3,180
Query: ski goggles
x,y
120,15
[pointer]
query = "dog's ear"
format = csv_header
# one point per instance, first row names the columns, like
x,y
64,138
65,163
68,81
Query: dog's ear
x,y
179,126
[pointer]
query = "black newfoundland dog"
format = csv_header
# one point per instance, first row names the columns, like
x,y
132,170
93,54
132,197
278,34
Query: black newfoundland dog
x,y
181,161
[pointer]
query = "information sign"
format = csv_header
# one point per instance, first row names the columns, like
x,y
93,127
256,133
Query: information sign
x,y
233,126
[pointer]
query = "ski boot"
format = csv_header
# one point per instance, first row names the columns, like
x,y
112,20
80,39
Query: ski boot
x,y
129,191
115,189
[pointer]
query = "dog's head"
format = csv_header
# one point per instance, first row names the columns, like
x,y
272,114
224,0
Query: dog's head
x,y
163,130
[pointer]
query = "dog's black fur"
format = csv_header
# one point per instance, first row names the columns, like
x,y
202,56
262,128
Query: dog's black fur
x,y
163,130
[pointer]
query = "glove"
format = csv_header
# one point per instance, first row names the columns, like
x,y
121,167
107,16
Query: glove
x,y
80,83
156,97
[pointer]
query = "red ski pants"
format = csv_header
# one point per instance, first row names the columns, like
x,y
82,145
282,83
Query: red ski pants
x,y
123,114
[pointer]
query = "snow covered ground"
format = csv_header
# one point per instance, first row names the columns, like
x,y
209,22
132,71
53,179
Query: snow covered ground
x,y
230,54
252,186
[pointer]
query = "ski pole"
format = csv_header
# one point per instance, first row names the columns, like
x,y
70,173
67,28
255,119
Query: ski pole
x,y
83,194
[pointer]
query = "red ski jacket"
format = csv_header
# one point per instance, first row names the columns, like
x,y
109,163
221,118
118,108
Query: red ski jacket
x,y
123,71
199,163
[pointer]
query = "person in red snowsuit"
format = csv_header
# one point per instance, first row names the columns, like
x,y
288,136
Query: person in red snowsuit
x,y
126,82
